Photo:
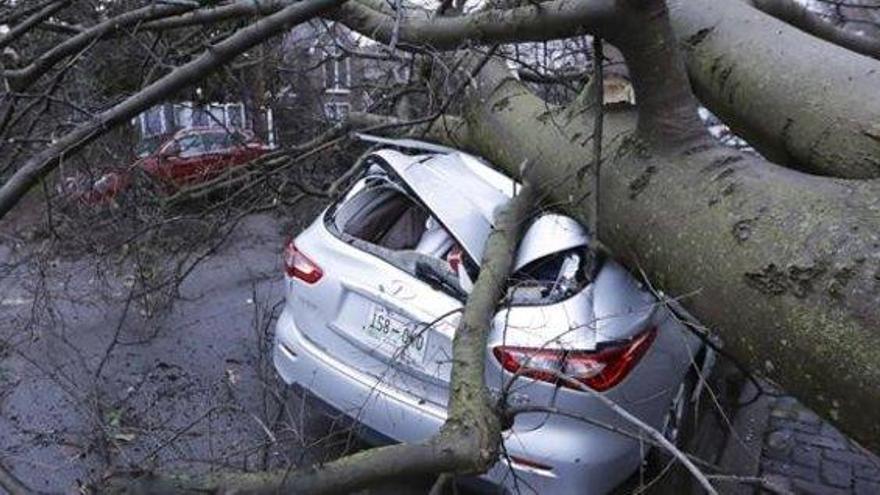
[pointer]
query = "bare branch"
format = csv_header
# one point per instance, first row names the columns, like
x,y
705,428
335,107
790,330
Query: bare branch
x,y
39,165
556,19
22,78
803,18
12,484
20,29
219,13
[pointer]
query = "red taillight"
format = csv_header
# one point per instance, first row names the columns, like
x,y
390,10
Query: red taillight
x,y
599,370
298,265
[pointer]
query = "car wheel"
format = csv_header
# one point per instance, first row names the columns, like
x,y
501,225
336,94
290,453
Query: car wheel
x,y
677,426
675,416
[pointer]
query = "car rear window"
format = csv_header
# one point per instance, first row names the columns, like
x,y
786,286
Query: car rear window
x,y
553,278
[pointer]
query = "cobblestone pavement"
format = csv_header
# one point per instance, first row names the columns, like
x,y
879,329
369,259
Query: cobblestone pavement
x,y
806,455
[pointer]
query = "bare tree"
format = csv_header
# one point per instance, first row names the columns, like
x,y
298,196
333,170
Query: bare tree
x,y
783,262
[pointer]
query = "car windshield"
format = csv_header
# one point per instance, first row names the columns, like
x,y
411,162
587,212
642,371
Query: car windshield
x,y
219,141
197,144
190,145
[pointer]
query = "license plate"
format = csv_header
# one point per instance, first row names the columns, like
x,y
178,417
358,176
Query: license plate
x,y
397,335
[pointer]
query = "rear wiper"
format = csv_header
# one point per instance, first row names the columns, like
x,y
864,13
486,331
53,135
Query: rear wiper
x,y
427,273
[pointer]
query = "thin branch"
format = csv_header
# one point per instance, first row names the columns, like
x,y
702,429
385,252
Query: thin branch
x,y
550,20
19,30
12,484
24,77
652,432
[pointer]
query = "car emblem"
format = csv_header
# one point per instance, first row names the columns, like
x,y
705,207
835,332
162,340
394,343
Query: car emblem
x,y
398,289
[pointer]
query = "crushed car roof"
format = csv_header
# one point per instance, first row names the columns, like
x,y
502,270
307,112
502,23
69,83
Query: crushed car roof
x,y
464,193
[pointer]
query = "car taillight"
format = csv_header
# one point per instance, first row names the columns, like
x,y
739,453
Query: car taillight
x,y
599,370
298,265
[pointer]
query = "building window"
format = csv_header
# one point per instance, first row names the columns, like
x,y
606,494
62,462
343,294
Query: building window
x,y
235,116
153,122
183,115
336,111
226,115
216,115
337,74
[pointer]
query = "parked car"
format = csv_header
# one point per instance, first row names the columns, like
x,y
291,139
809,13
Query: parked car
x,y
91,191
189,156
374,289
198,154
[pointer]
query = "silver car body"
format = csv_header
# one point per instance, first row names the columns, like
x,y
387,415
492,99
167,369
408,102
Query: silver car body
x,y
327,342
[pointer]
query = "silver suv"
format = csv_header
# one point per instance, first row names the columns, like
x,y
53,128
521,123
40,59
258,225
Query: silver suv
x,y
375,288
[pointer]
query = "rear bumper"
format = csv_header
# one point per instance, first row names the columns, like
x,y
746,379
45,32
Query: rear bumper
x,y
583,459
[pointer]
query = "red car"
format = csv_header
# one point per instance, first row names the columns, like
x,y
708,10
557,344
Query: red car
x,y
190,156
195,155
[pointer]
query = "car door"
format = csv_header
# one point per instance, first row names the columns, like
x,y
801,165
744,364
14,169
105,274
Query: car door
x,y
219,154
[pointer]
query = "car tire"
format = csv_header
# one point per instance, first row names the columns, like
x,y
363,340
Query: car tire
x,y
679,426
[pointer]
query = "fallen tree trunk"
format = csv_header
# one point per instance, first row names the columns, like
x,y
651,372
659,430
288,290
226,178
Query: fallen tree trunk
x,y
801,17
801,101
786,266
822,118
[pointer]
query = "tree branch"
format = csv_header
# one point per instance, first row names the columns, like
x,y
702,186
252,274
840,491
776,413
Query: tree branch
x,y
24,77
219,13
804,19
39,165
12,484
19,30
550,20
